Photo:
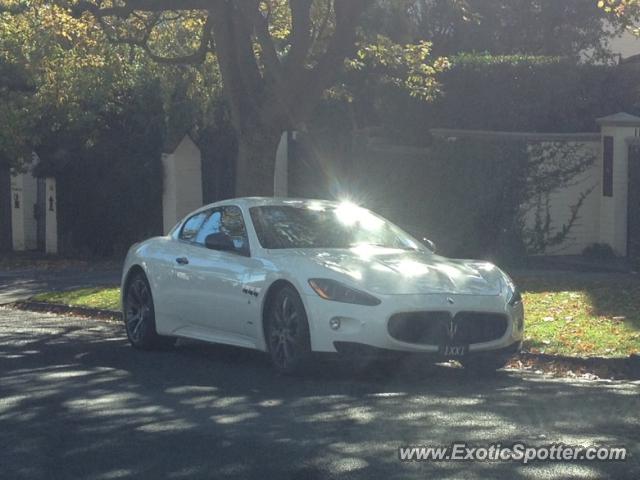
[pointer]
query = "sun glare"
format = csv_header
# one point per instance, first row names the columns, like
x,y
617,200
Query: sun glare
x,y
350,214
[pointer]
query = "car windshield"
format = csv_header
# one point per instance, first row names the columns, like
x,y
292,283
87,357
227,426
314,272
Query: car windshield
x,y
325,226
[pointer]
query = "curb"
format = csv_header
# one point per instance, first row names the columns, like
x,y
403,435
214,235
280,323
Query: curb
x,y
627,368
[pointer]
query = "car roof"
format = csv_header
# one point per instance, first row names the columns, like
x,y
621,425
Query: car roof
x,y
249,202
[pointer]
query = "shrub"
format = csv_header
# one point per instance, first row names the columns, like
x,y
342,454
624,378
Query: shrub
x,y
469,195
599,251
510,93
110,176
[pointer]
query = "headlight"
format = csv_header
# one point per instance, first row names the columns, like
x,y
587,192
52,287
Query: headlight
x,y
515,297
337,292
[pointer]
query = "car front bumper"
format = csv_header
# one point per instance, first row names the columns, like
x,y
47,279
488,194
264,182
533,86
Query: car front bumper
x,y
366,327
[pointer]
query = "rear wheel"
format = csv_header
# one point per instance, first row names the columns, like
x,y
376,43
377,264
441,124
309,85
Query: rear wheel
x,y
139,315
287,332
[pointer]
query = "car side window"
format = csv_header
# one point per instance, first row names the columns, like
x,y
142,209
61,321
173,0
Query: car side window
x,y
192,226
226,220
213,224
233,225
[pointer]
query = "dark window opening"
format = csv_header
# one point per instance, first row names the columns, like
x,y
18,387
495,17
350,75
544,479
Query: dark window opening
x,y
607,168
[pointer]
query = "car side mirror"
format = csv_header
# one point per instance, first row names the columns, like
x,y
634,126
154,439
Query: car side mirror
x,y
219,241
430,244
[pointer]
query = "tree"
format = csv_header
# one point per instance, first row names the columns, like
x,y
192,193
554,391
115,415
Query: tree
x,y
626,11
55,72
276,58
60,76
568,28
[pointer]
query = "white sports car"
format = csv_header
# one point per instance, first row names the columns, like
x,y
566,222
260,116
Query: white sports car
x,y
292,277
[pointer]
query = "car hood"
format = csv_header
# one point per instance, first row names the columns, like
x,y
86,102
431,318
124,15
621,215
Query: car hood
x,y
393,271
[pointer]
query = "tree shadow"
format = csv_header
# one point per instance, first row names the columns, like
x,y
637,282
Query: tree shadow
x,y
78,402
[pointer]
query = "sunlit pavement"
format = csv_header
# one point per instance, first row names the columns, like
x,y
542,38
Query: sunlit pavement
x,y
77,402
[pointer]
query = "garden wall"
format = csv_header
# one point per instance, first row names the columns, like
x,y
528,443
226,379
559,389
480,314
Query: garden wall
x,y
468,190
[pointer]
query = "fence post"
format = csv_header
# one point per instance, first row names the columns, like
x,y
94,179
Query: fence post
x,y
614,162
182,183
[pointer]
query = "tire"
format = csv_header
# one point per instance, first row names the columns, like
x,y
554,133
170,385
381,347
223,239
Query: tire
x,y
287,332
485,364
139,316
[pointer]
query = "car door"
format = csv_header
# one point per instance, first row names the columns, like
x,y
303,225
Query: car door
x,y
173,295
212,281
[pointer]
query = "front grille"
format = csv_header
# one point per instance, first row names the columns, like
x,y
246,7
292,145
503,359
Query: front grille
x,y
439,328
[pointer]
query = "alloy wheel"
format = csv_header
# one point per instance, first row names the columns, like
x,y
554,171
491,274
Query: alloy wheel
x,y
138,309
288,332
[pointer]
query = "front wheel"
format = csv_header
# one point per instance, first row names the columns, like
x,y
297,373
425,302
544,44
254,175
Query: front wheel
x,y
287,332
139,316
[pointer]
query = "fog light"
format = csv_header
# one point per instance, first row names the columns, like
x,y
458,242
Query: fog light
x,y
334,323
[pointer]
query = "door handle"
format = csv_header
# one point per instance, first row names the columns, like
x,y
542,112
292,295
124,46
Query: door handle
x,y
182,260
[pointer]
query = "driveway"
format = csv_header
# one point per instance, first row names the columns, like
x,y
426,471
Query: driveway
x,y
17,285
77,402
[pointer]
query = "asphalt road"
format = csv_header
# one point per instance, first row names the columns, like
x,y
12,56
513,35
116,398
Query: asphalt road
x,y
77,402
17,285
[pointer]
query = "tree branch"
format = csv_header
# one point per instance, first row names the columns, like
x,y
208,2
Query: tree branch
x,y
240,74
14,9
195,58
260,25
130,6
300,32
341,45
319,32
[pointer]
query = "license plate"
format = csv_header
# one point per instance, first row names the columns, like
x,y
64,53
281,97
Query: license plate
x,y
454,350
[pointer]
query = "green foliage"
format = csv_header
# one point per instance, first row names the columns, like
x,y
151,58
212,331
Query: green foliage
x,y
475,189
472,196
61,72
408,67
484,189
514,93
582,315
53,62
599,251
100,298
568,28
627,11
219,147
110,190
479,60
98,114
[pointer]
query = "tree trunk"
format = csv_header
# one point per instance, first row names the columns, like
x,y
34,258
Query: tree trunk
x,y
255,165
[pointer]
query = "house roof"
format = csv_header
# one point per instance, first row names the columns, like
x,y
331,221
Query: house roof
x,y
621,119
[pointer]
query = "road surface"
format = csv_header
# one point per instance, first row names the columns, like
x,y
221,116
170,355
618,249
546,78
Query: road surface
x,y
77,402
